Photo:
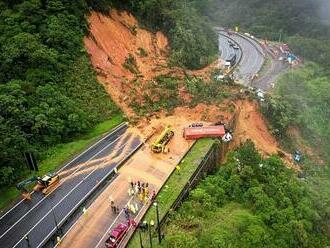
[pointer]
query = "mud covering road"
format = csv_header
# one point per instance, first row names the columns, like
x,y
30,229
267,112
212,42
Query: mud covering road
x,y
145,166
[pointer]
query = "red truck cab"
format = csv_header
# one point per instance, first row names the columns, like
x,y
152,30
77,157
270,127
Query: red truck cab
x,y
116,235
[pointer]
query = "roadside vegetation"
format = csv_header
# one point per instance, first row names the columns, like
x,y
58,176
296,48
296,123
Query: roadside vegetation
x,y
249,202
49,94
302,99
193,42
54,156
211,91
161,93
302,103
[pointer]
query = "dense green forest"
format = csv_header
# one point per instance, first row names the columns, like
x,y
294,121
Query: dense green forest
x,y
250,202
48,90
267,206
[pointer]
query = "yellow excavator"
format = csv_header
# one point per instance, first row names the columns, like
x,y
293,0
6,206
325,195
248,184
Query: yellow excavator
x,y
44,184
159,145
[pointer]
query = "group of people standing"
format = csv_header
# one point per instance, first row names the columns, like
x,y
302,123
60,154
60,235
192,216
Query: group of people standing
x,y
141,191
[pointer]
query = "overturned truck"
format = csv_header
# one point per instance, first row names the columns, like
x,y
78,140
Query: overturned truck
x,y
193,133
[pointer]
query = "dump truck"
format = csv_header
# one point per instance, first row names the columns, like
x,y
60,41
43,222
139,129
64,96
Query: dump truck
x,y
44,184
193,133
159,145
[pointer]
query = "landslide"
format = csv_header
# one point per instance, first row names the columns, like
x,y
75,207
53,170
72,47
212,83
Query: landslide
x,y
126,57
250,124
116,37
112,41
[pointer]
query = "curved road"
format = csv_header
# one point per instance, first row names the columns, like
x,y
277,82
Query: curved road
x,y
31,224
252,56
225,49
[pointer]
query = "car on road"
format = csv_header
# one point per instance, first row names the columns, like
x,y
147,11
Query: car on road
x,y
116,235
233,45
297,156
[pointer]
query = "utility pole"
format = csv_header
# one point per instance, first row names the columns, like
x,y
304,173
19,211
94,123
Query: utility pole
x,y
141,245
280,38
151,224
158,223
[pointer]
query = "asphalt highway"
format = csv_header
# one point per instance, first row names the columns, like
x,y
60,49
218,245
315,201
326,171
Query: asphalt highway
x,y
251,52
225,49
31,223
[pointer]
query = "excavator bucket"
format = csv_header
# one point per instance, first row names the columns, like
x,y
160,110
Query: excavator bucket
x,y
47,183
52,186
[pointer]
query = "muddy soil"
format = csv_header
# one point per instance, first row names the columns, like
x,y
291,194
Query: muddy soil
x,y
113,39
251,125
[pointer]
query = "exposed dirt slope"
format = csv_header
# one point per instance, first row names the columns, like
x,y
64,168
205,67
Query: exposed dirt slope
x,y
112,40
115,38
251,125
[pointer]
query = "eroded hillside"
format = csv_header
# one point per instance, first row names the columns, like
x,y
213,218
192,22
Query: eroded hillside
x,y
129,61
121,51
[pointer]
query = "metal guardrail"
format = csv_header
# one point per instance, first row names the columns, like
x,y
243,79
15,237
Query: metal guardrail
x,y
190,184
185,190
160,189
249,39
109,175
262,53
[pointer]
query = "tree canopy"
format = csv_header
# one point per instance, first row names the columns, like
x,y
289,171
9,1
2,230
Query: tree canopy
x,y
249,202
48,91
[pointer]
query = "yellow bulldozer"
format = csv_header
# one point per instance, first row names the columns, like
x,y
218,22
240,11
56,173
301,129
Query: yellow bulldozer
x,y
159,145
44,184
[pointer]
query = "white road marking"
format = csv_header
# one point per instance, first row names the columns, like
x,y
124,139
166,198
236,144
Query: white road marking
x,y
107,231
135,220
12,226
76,204
67,164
